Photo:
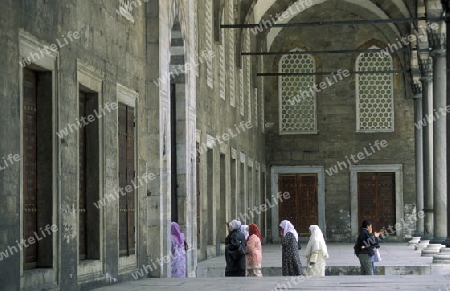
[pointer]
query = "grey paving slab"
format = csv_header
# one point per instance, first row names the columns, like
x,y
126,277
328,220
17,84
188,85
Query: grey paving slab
x,y
395,256
348,283
397,259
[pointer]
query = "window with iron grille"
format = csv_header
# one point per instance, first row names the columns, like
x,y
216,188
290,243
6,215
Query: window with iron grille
x,y
374,93
297,98
222,73
241,92
248,74
209,42
261,69
231,54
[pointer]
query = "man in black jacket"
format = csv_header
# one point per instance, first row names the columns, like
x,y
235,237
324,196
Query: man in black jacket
x,y
235,250
365,245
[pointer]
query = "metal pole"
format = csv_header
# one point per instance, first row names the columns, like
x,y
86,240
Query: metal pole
x,y
330,52
333,73
336,22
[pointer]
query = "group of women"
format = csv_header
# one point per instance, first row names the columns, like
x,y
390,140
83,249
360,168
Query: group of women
x,y
316,251
243,251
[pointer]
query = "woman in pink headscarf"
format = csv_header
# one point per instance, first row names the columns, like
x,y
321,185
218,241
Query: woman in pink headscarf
x,y
254,251
178,252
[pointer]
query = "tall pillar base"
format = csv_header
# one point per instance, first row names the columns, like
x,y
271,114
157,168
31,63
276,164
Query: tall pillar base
x,y
431,250
422,245
415,240
443,257
447,242
438,240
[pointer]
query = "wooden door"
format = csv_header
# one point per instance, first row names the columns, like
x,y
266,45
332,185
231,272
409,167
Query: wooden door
x,y
126,178
301,209
82,183
30,209
376,199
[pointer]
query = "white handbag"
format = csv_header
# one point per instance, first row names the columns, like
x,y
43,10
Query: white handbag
x,y
376,255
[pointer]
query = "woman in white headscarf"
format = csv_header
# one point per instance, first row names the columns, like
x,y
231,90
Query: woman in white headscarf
x,y
244,230
316,252
290,259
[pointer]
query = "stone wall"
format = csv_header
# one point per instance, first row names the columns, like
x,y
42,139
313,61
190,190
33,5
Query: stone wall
x,y
127,55
336,113
91,35
215,117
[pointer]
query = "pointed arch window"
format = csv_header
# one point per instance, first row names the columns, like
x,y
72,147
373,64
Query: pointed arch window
x,y
297,97
374,93
222,70
231,54
209,43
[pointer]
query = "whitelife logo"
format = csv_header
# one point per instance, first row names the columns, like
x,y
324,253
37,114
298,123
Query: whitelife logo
x,y
31,240
87,119
53,47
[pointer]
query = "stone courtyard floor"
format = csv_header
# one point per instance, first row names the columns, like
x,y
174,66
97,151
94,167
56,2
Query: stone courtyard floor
x,y
401,268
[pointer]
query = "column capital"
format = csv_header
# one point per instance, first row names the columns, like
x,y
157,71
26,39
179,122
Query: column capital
x,y
426,69
438,52
437,42
417,90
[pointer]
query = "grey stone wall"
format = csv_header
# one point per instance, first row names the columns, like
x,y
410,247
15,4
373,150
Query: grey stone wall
x,y
216,116
132,54
336,113
112,45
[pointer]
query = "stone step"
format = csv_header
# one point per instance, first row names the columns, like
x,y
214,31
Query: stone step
x,y
329,271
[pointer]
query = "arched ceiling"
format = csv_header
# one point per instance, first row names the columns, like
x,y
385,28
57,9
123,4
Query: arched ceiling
x,y
262,7
369,9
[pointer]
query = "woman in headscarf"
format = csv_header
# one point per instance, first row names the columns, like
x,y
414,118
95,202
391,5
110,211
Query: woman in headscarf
x,y
235,250
316,252
254,252
290,259
244,230
178,262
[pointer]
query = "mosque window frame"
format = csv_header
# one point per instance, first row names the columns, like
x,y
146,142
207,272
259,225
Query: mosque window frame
x,y
248,74
222,68
359,79
297,99
231,55
209,43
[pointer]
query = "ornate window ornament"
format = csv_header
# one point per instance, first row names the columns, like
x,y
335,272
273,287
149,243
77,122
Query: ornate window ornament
x,y
297,97
125,10
241,92
231,54
248,75
261,62
222,73
374,94
209,43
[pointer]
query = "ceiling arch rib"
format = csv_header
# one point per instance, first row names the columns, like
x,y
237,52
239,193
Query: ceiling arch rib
x,y
274,31
261,7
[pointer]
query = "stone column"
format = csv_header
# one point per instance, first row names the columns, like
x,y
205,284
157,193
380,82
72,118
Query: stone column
x,y
417,91
437,40
447,21
427,102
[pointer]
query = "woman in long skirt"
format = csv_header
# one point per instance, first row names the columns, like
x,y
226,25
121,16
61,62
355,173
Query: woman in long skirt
x,y
290,259
254,252
316,252
178,262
